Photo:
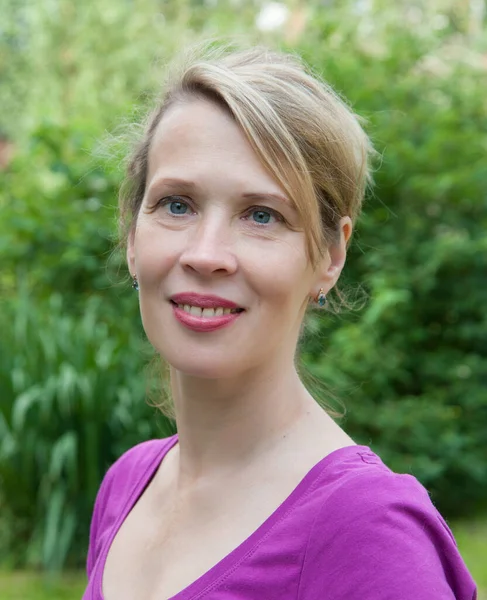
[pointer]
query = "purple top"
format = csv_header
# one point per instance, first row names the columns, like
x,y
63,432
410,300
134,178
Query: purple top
x,y
352,529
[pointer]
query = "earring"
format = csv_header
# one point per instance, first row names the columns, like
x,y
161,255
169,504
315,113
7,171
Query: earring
x,y
135,283
321,298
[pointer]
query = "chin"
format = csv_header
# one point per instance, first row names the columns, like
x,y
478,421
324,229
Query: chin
x,y
202,371
211,366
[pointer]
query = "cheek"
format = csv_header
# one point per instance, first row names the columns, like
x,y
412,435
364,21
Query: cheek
x,y
154,250
280,273
281,295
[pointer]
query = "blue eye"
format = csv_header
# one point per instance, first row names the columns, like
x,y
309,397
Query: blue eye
x,y
177,207
261,216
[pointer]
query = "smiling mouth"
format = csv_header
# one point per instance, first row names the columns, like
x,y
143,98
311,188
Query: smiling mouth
x,y
198,311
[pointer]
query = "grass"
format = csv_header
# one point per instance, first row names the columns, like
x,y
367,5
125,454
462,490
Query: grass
x,y
471,538
24,585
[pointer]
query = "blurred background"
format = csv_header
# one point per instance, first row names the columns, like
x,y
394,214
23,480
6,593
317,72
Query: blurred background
x,y
410,366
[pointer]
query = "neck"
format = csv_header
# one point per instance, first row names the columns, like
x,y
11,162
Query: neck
x,y
225,424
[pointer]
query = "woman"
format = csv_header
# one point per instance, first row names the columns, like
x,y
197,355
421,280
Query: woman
x,y
243,196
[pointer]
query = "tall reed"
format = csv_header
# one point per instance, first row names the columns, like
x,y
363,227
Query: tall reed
x,y
71,400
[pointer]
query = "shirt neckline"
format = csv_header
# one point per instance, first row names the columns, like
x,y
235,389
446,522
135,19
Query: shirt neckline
x,y
223,568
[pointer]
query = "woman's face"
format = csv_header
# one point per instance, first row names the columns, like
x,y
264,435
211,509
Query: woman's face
x,y
214,223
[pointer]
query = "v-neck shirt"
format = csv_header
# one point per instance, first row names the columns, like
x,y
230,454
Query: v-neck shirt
x,y
351,529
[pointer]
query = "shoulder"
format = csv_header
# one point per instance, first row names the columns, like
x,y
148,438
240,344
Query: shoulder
x,y
134,464
378,532
120,486
364,484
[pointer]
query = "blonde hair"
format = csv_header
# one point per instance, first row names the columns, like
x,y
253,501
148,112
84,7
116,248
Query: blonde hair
x,y
303,132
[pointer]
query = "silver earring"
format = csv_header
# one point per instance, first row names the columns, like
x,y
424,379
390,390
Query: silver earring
x,y
321,298
135,283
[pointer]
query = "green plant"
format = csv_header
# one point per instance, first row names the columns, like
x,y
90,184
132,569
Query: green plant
x,y
411,366
72,400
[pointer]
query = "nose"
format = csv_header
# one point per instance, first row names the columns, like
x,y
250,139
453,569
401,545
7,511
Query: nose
x,y
210,249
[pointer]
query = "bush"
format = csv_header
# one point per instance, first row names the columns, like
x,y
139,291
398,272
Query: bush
x,y
72,400
412,366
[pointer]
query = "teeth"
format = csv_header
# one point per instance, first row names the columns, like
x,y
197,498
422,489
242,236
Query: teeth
x,y
206,312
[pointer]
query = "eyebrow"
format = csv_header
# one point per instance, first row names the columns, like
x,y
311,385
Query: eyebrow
x,y
263,196
171,182
190,185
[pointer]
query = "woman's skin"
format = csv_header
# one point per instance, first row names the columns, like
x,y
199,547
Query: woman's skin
x,y
214,221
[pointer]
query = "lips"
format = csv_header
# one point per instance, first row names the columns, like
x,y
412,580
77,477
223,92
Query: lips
x,y
203,301
204,313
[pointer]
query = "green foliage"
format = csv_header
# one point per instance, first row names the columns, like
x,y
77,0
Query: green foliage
x,y
60,216
410,366
78,402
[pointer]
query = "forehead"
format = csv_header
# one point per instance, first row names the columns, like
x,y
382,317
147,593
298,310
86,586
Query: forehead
x,y
196,138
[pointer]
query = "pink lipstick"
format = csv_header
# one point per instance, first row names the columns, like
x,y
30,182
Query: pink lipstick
x,y
204,313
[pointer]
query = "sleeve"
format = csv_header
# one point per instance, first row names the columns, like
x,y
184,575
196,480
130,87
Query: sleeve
x,y
379,537
94,546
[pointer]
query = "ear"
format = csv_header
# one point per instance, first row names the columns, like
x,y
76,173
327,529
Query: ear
x,y
131,252
334,259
